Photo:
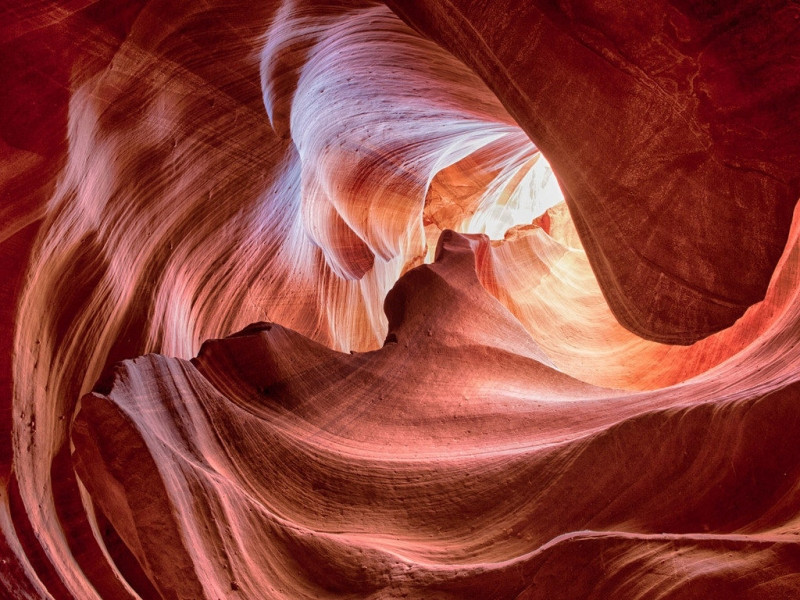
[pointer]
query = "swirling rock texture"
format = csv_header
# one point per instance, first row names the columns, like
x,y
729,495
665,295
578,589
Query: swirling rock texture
x,y
294,306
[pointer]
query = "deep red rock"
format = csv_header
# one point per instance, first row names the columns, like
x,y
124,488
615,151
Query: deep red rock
x,y
385,424
672,129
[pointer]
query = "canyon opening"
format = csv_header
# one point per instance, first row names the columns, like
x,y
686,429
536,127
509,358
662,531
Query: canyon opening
x,y
443,300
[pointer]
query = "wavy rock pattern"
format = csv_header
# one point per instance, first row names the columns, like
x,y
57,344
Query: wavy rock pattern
x,y
699,95
446,382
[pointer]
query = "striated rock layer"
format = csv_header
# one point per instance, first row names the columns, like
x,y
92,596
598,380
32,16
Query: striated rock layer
x,y
300,472
668,124
450,379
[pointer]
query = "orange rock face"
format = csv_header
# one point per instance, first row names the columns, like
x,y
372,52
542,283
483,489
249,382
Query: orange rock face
x,y
295,307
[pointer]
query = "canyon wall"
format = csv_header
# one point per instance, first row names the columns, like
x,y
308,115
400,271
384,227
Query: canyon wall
x,y
315,299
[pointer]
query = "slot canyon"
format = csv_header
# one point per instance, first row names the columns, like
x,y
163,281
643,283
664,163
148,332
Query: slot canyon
x,y
437,300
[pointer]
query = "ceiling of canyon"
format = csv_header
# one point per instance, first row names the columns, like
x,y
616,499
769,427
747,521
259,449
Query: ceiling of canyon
x,y
353,299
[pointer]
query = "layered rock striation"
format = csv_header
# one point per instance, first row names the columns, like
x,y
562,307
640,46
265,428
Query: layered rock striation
x,y
294,306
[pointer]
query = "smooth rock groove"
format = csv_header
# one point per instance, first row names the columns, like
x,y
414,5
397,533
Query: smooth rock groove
x,y
293,306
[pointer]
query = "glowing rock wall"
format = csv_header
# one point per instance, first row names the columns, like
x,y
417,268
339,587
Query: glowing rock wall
x,y
481,426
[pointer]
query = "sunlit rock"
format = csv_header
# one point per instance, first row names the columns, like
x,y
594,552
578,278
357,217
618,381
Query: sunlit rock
x,y
310,299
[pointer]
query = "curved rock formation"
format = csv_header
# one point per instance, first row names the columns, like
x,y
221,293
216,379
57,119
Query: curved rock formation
x,y
303,472
449,380
680,109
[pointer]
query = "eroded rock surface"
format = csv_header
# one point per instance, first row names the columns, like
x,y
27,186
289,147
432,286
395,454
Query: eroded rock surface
x,y
450,380
666,123
301,472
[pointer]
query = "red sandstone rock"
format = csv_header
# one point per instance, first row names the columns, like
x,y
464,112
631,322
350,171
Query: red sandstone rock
x,y
172,174
671,125
296,471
